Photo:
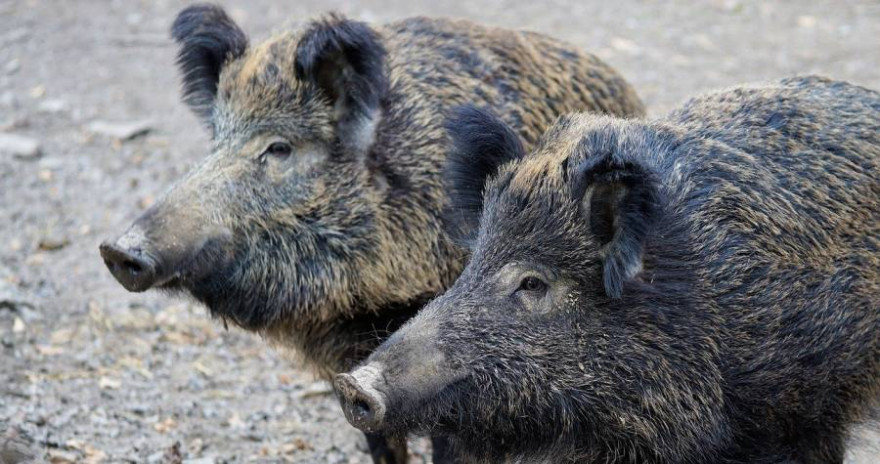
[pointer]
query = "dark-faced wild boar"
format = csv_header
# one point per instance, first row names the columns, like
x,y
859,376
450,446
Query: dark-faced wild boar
x,y
316,218
703,288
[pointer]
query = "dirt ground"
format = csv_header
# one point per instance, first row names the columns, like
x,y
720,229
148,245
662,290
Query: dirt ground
x,y
92,373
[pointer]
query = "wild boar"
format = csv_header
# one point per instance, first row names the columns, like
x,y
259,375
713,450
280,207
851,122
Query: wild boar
x,y
701,288
316,219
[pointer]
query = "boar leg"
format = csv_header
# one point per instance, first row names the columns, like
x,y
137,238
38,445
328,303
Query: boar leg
x,y
387,450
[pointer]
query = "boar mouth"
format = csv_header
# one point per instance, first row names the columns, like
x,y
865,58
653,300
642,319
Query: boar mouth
x,y
139,265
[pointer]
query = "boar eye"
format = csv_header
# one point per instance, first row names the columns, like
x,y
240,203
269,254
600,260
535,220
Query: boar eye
x,y
277,149
532,284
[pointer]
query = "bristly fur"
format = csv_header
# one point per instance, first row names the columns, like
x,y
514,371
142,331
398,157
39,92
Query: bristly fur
x,y
481,143
207,38
749,333
331,245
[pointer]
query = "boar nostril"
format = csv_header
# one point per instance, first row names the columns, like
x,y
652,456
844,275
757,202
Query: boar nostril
x,y
362,408
131,267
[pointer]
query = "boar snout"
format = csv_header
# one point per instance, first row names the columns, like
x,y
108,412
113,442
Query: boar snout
x,y
165,244
128,261
363,403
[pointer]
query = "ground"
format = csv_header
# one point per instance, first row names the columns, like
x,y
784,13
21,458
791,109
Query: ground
x,y
91,372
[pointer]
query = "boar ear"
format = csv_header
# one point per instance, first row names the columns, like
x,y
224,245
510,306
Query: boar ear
x,y
207,38
620,199
480,143
346,60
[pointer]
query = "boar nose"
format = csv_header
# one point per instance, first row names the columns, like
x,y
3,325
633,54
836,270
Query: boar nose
x,y
363,404
128,262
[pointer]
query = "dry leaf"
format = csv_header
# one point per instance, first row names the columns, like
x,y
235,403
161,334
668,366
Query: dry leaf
x,y
61,336
49,350
57,456
236,422
136,365
94,455
38,91
316,389
203,369
165,426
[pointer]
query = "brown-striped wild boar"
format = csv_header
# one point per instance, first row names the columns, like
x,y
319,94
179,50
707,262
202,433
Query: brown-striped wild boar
x,y
702,288
315,220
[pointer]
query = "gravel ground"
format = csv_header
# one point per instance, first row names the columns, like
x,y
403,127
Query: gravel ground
x,y
92,373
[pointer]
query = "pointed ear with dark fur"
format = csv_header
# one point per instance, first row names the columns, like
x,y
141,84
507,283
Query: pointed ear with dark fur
x,y
481,143
620,198
207,38
346,60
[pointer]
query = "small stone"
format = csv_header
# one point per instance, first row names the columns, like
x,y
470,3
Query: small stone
x,y
155,458
15,35
18,326
120,130
57,456
133,19
106,383
806,22
625,45
52,163
14,299
12,66
27,313
52,106
207,460
16,447
146,201
38,91
36,259
53,243
19,146
196,446
165,426
8,99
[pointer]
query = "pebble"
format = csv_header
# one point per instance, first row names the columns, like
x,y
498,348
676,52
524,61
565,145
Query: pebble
x,y
17,448
38,91
12,66
19,146
52,106
124,130
208,460
155,458
625,45
8,99
52,243
15,35
14,299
